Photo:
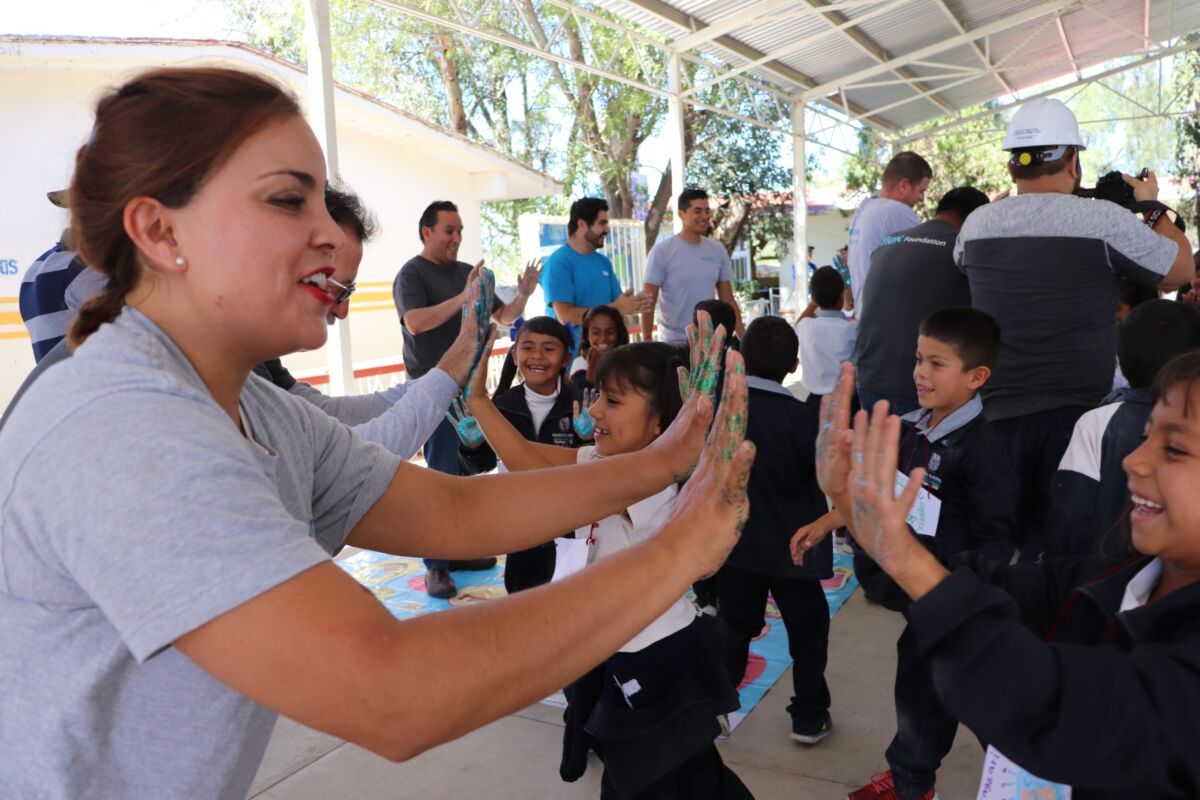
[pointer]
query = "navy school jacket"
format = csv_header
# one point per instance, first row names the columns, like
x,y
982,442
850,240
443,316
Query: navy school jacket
x,y
557,429
783,491
1089,492
967,468
1038,662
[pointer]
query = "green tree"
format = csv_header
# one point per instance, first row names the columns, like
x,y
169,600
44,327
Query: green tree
x,y
1187,132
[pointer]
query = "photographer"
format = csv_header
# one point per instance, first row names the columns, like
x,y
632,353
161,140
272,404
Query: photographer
x,y
1047,265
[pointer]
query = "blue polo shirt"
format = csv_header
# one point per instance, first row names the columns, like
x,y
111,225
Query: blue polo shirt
x,y
568,277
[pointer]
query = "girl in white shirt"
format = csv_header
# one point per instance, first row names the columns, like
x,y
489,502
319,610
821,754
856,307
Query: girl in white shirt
x,y
651,707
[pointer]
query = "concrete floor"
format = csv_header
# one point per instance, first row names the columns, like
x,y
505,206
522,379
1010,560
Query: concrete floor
x,y
517,757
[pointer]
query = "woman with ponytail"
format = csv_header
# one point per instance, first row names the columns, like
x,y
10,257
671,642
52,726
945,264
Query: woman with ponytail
x,y
167,519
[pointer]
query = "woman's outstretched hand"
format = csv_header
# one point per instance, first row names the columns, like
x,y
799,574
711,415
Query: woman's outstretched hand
x,y
712,507
877,515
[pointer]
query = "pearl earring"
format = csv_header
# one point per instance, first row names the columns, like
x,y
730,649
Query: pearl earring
x,y
180,261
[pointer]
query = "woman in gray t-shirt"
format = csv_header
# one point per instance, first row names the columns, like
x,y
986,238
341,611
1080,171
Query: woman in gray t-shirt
x,y
166,519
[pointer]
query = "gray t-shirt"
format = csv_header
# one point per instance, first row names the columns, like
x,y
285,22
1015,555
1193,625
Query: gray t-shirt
x,y
1047,267
686,274
132,511
875,218
420,284
912,275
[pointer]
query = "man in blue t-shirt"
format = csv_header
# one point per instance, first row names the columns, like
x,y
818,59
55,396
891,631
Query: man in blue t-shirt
x,y
576,277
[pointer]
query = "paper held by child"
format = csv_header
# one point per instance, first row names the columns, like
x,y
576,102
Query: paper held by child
x,y
1004,780
923,516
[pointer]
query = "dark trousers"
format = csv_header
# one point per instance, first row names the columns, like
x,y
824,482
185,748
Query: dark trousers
x,y
1035,444
924,731
896,405
805,615
441,453
529,568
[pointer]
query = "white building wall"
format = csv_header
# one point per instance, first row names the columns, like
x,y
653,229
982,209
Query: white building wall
x,y
48,116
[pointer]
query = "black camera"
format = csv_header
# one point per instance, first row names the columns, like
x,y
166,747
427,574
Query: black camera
x,y
1113,188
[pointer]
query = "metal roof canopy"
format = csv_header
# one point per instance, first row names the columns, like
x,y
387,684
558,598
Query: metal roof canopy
x,y
805,68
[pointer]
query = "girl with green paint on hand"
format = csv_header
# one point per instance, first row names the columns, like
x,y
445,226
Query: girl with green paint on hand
x,y
651,707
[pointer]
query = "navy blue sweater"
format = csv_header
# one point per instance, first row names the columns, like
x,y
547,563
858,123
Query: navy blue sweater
x,y
1037,661
556,428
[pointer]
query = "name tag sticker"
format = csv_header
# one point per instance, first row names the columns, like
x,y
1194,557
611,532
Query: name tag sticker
x,y
923,516
570,556
1004,780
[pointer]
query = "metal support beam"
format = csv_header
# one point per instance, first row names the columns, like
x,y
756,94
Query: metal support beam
x,y
1003,24
675,132
1062,35
872,49
324,125
799,275
983,57
1150,58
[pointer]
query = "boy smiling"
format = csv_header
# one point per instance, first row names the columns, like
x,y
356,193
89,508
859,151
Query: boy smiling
x,y
968,475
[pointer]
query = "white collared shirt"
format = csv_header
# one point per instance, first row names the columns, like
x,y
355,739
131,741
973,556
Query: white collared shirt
x,y
613,534
826,341
1138,590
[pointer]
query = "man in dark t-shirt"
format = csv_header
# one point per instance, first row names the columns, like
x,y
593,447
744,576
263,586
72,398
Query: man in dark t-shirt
x,y
913,274
430,291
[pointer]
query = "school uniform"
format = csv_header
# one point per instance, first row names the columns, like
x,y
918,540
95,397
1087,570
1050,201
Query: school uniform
x,y
967,469
1065,670
535,566
651,708
784,496
1090,493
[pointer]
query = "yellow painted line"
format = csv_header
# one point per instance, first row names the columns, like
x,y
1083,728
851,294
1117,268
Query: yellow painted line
x,y
11,318
368,297
9,299
14,334
376,283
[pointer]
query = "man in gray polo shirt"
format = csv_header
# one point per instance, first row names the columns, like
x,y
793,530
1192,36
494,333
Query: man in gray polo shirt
x,y
913,274
685,269
430,291
1047,266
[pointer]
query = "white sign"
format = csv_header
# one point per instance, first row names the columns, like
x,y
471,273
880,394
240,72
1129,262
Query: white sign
x,y
570,556
1004,780
923,516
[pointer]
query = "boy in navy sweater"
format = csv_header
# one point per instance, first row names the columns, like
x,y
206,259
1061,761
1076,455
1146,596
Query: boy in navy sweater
x,y
969,475
1090,490
784,495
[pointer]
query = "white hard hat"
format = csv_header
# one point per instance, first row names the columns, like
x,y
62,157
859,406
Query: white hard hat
x,y
1044,122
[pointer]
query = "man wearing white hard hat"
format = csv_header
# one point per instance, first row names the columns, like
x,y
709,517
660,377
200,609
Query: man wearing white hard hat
x,y
1047,265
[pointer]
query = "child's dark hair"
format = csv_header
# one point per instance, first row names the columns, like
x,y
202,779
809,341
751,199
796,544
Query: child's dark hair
x,y
720,312
973,334
651,370
602,311
769,348
546,326
827,287
1152,334
1133,294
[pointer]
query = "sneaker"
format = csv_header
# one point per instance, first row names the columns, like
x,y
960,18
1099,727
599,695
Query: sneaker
x,y
439,584
807,733
723,721
841,544
881,787
473,564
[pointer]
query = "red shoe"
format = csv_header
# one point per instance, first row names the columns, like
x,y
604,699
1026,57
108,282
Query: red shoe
x,y
882,788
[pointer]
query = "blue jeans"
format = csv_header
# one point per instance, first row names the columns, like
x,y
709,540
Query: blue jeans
x,y
896,405
441,453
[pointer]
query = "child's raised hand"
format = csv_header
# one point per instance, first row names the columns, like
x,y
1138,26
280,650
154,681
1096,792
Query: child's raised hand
x,y
704,353
809,536
877,515
712,507
465,425
581,418
833,439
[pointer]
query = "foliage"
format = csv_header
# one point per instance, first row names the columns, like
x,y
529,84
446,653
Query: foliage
x,y
1187,132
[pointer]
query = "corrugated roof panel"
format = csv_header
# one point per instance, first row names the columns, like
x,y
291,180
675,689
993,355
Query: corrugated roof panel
x,y
910,27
